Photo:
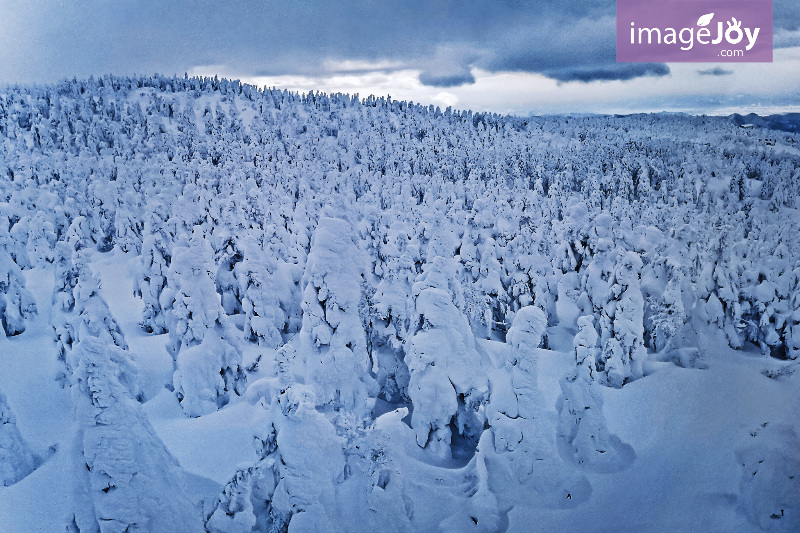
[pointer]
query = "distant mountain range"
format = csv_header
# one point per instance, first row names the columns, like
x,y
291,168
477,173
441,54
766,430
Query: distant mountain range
x,y
786,122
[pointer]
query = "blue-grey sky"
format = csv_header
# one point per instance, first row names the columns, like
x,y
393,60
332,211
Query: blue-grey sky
x,y
502,55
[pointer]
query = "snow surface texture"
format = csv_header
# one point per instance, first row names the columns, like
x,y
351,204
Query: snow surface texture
x,y
226,309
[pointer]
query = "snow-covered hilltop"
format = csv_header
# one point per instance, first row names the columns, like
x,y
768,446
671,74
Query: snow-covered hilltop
x,y
231,309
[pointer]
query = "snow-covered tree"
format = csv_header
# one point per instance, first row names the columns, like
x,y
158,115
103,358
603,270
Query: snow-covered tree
x,y
41,239
264,285
154,263
446,383
668,316
582,429
396,270
204,344
80,234
16,302
301,461
16,458
624,353
792,328
228,286
329,354
598,278
93,315
80,311
121,470
525,336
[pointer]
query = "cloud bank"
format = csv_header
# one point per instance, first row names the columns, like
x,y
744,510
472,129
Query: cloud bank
x,y
446,51
443,39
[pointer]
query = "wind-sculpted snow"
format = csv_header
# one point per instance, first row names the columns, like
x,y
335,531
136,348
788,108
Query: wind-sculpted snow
x,y
377,285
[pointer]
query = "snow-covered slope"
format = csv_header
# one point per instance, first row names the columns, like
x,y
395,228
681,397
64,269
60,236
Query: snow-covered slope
x,y
233,309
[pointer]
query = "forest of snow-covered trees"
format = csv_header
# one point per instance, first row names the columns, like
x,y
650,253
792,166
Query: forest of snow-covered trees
x,y
389,317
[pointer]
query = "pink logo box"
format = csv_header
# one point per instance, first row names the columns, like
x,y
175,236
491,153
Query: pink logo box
x,y
719,31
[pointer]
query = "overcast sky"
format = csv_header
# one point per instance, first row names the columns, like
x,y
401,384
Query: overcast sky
x,y
516,56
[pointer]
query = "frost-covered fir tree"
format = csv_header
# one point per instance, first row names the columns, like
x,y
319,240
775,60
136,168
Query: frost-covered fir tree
x,y
329,353
229,288
208,371
446,383
121,470
16,302
10,240
71,260
582,429
396,269
624,353
151,280
792,328
65,276
572,252
63,310
80,311
598,277
668,316
16,458
264,285
486,298
80,234
526,335
585,345
522,462
93,318
293,484
128,224
666,282
40,240
719,284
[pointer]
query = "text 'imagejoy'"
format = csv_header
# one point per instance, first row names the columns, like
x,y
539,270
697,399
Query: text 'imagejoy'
x,y
702,31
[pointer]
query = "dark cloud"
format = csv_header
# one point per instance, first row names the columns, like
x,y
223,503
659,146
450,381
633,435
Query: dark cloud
x,y
786,14
582,49
620,71
444,39
446,80
716,71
